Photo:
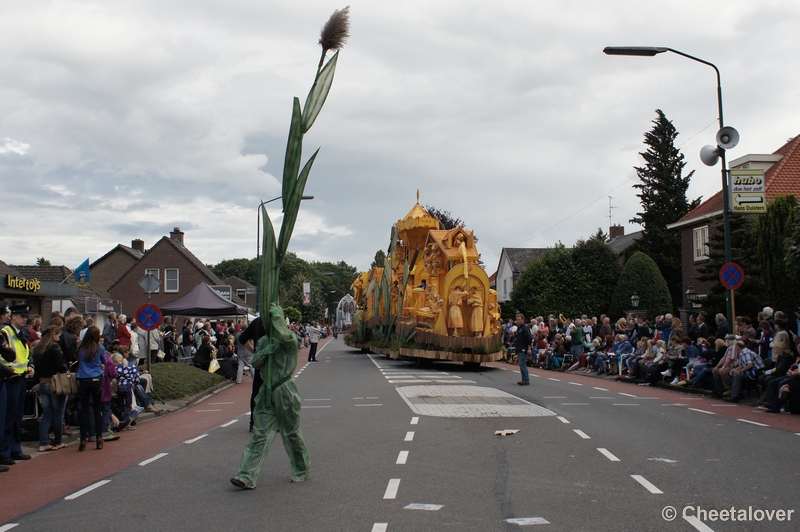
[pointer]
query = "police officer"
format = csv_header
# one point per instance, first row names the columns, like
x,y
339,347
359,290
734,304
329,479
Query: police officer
x,y
5,371
10,449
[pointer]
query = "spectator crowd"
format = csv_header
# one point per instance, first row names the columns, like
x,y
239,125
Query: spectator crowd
x,y
758,356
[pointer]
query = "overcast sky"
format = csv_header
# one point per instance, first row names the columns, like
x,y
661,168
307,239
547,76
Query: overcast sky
x,y
122,120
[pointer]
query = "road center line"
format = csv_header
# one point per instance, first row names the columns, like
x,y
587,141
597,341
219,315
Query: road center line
x,y
409,436
371,404
581,434
414,420
379,527
196,439
647,484
402,457
391,489
153,459
563,419
753,422
229,423
86,490
607,454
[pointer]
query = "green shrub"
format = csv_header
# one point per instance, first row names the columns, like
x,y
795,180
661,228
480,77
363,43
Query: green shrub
x,y
641,275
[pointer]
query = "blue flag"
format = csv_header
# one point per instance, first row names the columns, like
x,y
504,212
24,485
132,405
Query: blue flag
x,y
82,274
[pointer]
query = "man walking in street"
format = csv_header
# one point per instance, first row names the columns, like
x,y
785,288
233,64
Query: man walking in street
x,y
522,346
313,338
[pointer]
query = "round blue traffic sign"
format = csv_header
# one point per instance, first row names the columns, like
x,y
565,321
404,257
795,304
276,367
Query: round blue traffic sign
x,y
731,276
149,317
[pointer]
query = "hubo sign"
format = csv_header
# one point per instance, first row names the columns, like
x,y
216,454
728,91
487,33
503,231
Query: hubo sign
x,y
748,194
21,283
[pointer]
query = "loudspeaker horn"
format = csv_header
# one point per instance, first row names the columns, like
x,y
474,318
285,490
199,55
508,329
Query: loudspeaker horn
x,y
709,155
727,138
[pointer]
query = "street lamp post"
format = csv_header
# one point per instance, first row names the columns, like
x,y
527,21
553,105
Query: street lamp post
x,y
650,51
258,240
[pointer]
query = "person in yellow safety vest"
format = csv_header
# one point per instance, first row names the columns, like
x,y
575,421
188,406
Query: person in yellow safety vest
x,y
10,450
5,371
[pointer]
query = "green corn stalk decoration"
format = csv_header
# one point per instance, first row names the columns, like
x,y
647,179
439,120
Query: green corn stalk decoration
x,y
332,37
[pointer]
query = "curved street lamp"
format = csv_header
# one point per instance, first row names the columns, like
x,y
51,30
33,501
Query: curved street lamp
x,y
650,51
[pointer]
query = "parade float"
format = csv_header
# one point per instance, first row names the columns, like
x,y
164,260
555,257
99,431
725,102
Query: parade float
x,y
431,300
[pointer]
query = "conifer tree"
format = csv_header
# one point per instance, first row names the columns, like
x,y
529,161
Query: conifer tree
x,y
773,231
662,193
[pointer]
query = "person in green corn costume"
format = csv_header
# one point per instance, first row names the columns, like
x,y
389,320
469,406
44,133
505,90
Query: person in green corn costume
x,y
277,406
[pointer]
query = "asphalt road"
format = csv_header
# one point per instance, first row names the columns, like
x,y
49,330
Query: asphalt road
x,y
589,455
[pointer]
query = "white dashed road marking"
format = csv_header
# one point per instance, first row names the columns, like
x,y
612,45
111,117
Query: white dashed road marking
x,y
647,484
521,521
229,423
196,439
601,389
86,490
9,526
552,379
698,524
753,422
379,527
414,420
563,419
581,434
607,454
391,489
153,459
701,411
576,384
402,457
627,394
409,436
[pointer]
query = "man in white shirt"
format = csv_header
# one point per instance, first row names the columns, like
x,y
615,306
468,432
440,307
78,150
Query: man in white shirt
x,y
313,338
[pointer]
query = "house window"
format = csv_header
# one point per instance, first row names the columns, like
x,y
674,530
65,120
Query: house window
x,y
700,240
155,272
505,287
171,280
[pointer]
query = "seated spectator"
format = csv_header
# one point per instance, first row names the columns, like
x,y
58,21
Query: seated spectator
x,y
746,366
228,365
126,376
649,370
678,362
788,392
781,362
702,375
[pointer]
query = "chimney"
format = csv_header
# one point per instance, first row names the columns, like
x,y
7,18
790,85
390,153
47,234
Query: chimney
x,y
138,245
177,235
615,231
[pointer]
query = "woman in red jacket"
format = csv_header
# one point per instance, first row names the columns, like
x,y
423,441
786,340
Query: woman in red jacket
x,y
123,333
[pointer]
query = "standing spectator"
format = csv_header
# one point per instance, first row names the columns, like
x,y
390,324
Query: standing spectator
x,y
702,327
49,361
313,338
123,333
92,359
110,330
33,327
187,338
722,327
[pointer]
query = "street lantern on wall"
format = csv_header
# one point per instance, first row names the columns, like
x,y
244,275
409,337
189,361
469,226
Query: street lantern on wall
x,y
635,300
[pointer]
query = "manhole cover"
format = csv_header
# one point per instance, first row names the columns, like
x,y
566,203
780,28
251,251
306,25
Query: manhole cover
x,y
468,401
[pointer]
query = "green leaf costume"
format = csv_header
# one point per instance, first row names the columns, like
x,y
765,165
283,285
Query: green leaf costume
x,y
277,404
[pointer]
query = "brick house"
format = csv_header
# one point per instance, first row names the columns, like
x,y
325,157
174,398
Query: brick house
x,y
781,177
106,270
174,265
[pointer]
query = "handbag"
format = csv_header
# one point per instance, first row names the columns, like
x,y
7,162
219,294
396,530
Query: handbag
x,y
64,384
160,355
214,366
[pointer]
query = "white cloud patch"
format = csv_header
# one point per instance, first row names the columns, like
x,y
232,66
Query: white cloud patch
x,y
8,145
